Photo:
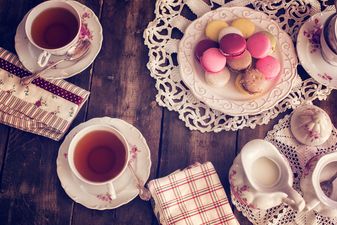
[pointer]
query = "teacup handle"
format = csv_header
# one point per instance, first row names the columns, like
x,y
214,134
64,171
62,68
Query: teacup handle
x,y
294,199
43,58
111,190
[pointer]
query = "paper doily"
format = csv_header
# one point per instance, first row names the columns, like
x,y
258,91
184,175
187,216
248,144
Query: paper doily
x,y
162,37
282,138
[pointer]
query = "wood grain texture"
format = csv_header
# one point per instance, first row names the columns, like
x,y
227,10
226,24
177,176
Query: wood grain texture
x,y
121,87
4,134
30,189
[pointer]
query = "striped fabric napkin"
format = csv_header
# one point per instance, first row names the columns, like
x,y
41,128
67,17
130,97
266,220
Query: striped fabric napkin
x,y
193,196
43,107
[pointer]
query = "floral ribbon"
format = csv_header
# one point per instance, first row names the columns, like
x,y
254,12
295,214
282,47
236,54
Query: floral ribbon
x,y
44,84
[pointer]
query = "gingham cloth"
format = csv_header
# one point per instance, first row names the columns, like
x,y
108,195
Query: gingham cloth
x,y
43,107
193,196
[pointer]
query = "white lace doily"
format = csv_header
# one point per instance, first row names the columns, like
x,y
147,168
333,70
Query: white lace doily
x,y
162,38
282,138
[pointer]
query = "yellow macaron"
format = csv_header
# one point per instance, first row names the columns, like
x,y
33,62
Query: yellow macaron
x,y
246,26
213,29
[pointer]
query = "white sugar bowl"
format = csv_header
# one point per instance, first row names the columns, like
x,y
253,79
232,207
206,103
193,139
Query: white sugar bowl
x,y
310,125
317,170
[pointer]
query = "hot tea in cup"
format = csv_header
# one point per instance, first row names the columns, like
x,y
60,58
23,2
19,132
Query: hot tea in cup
x,y
98,155
53,27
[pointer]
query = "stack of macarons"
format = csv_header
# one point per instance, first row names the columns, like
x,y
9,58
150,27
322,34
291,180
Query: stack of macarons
x,y
241,50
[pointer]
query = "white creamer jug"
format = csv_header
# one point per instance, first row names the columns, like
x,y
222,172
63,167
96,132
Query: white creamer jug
x,y
262,178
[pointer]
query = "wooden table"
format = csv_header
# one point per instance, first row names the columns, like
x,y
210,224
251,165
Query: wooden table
x,y
30,191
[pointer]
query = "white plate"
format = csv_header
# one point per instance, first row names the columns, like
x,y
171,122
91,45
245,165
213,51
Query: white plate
x,y
91,29
229,99
96,197
309,51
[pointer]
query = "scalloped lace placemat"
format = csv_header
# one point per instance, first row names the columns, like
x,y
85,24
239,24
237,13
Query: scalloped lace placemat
x,y
282,138
162,41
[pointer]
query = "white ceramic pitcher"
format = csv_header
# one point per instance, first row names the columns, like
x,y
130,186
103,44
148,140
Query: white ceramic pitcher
x,y
262,178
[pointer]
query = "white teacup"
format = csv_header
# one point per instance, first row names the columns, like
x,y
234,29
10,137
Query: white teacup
x,y
53,27
328,40
98,155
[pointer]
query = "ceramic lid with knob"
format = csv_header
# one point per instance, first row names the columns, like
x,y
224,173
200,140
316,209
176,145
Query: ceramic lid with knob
x,y
310,125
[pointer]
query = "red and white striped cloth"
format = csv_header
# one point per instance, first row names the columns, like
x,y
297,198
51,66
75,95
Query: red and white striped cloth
x,y
43,107
193,196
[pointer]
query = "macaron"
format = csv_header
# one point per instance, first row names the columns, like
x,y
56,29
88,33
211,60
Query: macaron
x,y
259,45
212,60
252,82
241,62
213,28
203,45
229,30
269,66
246,26
219,79
272,39
232,45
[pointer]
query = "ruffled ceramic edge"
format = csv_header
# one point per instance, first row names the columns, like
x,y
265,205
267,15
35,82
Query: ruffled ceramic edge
x,y
302,89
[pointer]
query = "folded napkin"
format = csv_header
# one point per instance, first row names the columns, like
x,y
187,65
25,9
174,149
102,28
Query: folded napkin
x,y
43,107
193,196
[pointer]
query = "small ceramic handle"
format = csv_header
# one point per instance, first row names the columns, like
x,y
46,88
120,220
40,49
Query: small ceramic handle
x,y
112,191
312,204
43,58
294,199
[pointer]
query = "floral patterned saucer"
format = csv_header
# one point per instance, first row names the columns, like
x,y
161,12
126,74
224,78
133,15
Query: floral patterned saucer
x,y
96,197
91,29
309,51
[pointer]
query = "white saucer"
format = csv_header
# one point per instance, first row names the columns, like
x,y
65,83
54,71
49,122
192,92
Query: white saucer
x,y
309,52
229,99
96,197
91,29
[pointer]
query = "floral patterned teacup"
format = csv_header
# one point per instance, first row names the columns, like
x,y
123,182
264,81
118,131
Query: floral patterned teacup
x,y
317,170
53,27
98,155
328,40
262,178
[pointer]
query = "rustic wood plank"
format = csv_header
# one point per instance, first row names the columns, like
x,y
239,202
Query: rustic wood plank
x,y
330,106
4,134
30,189
122,88
182,147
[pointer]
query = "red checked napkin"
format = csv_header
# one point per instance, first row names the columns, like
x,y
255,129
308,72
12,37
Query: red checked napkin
x,y
193,196
43,107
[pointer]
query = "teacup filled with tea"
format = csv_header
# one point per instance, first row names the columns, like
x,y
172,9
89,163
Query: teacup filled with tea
x,y
53,27
98,155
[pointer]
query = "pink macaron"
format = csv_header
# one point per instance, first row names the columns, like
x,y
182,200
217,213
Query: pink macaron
x,y
259,45
269,66
212,60
232,45
203,45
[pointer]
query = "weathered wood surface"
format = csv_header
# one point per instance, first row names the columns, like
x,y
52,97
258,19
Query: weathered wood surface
x,y
30,192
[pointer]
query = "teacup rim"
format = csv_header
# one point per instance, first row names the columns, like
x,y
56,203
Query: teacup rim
x,y
71,43
321,164
85,131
